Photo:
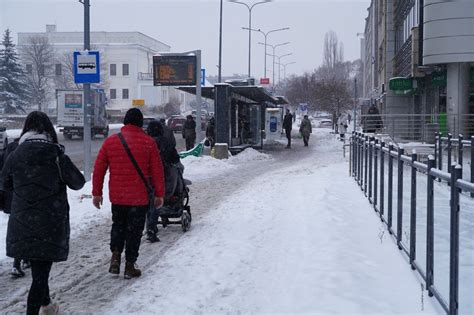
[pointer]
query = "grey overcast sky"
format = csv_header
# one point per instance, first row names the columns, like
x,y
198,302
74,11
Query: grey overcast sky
x,y
194,24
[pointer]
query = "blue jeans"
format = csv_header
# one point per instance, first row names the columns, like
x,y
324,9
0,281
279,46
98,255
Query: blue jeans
x,y
152,220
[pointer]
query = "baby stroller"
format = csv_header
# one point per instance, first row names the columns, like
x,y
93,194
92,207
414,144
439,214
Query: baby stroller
x,y
176,206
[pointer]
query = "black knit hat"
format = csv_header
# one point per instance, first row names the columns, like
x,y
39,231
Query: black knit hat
x,y
133,117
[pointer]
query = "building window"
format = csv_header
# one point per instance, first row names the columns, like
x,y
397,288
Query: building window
x,y
29,68
125,69
125,94
113,69
58,69
113,94
41,70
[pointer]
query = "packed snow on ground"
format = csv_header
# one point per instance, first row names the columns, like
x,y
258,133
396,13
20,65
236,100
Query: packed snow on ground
x,y
286,232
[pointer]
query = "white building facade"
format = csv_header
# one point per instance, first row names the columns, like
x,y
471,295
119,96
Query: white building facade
x,y
127,58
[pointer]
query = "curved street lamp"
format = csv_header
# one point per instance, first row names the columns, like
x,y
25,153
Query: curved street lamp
x,y
274,47
250,8
265,34
279,64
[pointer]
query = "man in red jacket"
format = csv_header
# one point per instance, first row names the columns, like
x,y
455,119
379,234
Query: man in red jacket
x,y
127,191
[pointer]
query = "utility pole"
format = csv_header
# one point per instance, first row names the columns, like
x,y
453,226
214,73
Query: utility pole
x,y
87,97
198,96
219,80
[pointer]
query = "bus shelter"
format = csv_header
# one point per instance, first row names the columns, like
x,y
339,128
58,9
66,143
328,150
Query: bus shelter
x,y
239,113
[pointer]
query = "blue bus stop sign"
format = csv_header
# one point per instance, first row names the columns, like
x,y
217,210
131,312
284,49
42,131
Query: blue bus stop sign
x,y
86,67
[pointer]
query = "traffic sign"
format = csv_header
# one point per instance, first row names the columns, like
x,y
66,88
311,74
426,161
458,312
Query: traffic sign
x,y
265,81
86,67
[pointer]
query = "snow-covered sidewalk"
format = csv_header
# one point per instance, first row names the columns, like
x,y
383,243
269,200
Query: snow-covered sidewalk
x,y
301,239
287,232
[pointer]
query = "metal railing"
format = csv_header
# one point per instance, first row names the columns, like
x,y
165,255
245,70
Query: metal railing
x,y
416,127
372,164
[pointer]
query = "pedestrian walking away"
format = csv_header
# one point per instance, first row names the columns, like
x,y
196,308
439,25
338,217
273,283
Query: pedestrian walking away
x,y
211,132
130,177
342,123
189,132
288,125
169,157
37,173
306,129
6,196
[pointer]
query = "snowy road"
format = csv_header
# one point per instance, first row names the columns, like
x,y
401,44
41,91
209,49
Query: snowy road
x,y
291,234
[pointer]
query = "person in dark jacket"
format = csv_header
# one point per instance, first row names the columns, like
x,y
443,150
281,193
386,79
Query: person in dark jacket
x,y
288,125
127,191
372,122
38,173
169,157
189,132
17,270
211,132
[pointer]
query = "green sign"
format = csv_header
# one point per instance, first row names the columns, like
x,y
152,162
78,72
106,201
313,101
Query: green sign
x,y
401,84
439,78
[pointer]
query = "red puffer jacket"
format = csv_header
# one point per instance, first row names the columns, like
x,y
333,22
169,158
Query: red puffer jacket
x,y
125,185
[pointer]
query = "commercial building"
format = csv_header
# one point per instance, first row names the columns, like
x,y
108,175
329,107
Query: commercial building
x,y
421,54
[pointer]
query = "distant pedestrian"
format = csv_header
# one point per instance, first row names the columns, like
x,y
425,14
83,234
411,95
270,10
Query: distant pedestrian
x,y
306,129
37,173
372,122
129,188
211,132
288,125
189,132
342,125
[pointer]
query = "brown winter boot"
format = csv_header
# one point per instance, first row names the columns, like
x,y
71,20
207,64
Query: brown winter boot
x,y
115,263
131,271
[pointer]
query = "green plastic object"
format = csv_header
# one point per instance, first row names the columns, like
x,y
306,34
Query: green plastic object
x,y
196,151
443,124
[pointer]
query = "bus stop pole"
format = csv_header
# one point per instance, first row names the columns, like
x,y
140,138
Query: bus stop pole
x,y
198,96
87,99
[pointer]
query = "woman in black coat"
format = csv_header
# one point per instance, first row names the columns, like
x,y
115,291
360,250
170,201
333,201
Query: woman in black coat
x,y
38,173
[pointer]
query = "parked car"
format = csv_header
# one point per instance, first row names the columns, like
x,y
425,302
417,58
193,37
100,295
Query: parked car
x,y
325,124
146,121
176,123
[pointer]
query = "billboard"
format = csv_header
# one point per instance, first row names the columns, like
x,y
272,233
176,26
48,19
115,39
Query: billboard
x,y
174,70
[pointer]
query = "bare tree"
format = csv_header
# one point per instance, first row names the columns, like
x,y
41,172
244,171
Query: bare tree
x,y
39,55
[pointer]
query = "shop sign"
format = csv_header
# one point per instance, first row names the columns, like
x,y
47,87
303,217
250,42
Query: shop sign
x,y
401,84
439,78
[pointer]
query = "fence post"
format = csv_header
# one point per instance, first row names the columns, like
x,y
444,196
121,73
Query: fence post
x,y
472,162
461,152
400,198
354,158
450,148
430,227
360,160
456,171
414,158
366,159
376,157
390,187
371,149
440,153
437,136
382,179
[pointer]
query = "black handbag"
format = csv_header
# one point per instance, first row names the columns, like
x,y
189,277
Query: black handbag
x,y
149,188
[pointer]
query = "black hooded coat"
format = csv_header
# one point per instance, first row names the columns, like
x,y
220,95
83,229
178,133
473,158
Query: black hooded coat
x,y
38,174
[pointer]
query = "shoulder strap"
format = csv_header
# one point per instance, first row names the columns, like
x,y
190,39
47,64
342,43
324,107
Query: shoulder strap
x,y
134,162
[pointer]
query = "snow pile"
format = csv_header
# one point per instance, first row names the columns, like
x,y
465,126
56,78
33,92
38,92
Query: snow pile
x,y
205,167
248,155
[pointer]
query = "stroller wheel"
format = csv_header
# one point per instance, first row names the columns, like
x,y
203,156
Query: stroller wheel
x,y
185,222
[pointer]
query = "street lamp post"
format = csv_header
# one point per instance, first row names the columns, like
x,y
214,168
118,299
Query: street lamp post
x,y
274,47
279,64
284,68
220,44
265,34
250,8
